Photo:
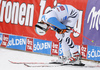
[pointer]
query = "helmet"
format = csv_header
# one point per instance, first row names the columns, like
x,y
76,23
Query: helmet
x,y
41,28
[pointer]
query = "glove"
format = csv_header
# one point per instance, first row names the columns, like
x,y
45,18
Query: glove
x,y
60,31
69,28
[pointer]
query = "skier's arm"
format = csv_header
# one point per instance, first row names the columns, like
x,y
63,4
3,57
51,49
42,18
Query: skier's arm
x,y
60,31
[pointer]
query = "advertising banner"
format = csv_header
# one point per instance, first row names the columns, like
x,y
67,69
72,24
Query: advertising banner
x,y
5,40
17,42
19,17
92,23
83,51
93,53
55,48
29,45
42,46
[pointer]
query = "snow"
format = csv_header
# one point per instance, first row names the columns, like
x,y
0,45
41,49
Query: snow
x,y
21,56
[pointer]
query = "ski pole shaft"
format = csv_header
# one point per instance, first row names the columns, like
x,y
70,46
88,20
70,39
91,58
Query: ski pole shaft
x,y
82,35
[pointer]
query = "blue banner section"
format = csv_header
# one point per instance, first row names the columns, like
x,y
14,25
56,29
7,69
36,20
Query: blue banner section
x,y
42,46
17,42
93,53
60,50
1,36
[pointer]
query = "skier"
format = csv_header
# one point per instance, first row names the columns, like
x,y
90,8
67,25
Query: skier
x,y
62,19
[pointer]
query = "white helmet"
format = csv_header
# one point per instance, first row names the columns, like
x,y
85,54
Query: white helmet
x,y
41,28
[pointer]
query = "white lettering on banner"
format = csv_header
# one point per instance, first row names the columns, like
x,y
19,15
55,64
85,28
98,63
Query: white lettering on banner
x,y
5,38
54,51
8,12
4,43
41,46
22,12
95,18
55,45
42,5
60,50
15,12
83,50
29,42
55,48
14,42
2,10
94,53
29,47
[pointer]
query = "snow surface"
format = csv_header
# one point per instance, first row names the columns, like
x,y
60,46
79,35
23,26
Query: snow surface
x,y
20,56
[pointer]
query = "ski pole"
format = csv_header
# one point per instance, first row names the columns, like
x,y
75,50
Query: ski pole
x,y
82,35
